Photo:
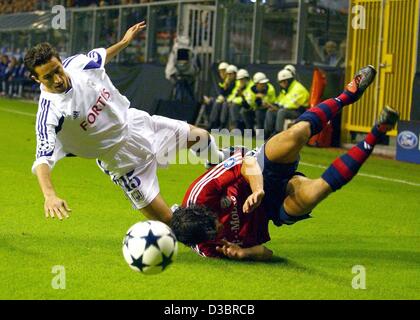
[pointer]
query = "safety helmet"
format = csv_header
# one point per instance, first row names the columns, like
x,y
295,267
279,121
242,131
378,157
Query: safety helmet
x,y
284,75
242,73
231,69
291,68
260,77
223,66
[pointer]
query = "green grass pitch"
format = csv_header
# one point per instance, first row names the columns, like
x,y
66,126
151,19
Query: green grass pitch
x,y
370,222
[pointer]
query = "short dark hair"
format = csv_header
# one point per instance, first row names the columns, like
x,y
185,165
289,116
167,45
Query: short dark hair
x,y
39,55
194,224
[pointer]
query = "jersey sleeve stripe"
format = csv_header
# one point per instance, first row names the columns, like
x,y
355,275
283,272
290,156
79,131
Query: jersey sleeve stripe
x,y
40,114
42,119
202,181
208,177
67,61
209,173
197,250
42,126
194,200
217,172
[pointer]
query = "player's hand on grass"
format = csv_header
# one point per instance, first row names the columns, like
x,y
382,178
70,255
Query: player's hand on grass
x,y
253,201
231,250
134,31
56,207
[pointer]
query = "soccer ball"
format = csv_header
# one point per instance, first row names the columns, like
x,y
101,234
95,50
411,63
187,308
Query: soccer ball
x,y
149,247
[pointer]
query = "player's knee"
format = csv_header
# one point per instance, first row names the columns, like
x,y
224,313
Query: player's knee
x,y
296,134
314,194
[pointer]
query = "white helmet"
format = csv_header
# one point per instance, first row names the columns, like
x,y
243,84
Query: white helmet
x,y
284,75
291,68
242,73
223,66
231,69
260,77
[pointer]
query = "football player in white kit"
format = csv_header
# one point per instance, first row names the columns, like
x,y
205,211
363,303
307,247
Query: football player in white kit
x,y
82,113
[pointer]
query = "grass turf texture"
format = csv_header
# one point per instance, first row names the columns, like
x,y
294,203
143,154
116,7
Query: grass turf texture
x,y
369,222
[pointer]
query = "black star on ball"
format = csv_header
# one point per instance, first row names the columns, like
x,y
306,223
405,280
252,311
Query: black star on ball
x,y
139,263
166,261
151,240
128,236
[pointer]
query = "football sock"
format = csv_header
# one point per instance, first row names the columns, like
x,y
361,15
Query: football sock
x,y
285,218
344,168
319,115
208,150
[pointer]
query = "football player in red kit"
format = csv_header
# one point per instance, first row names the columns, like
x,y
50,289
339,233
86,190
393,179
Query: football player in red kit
x,y
226,211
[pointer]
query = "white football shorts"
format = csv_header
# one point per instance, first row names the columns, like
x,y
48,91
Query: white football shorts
x,y
150,143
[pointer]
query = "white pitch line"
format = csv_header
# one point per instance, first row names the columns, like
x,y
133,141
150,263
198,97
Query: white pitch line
x,y
366,175
301,162
312,165
19,112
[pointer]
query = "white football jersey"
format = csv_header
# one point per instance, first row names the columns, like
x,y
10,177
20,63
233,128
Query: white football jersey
x,y
93,120
88,120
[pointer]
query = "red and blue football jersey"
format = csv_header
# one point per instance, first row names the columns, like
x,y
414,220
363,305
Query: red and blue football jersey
x,y
224,190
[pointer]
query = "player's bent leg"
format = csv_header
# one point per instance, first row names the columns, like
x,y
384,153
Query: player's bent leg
x,y
158,210
303,195
319,115
285,146
141,188
344,168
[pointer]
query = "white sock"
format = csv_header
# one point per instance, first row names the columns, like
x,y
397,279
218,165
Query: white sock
x,y
208,150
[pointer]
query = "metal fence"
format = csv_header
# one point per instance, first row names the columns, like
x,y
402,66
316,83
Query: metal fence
x,y
239,31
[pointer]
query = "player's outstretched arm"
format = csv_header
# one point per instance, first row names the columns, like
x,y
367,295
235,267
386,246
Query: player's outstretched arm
x,y
131,33
235,252
53,206
252,173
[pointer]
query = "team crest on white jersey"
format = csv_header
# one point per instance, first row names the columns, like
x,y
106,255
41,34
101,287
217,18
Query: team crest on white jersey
x,y
137,195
